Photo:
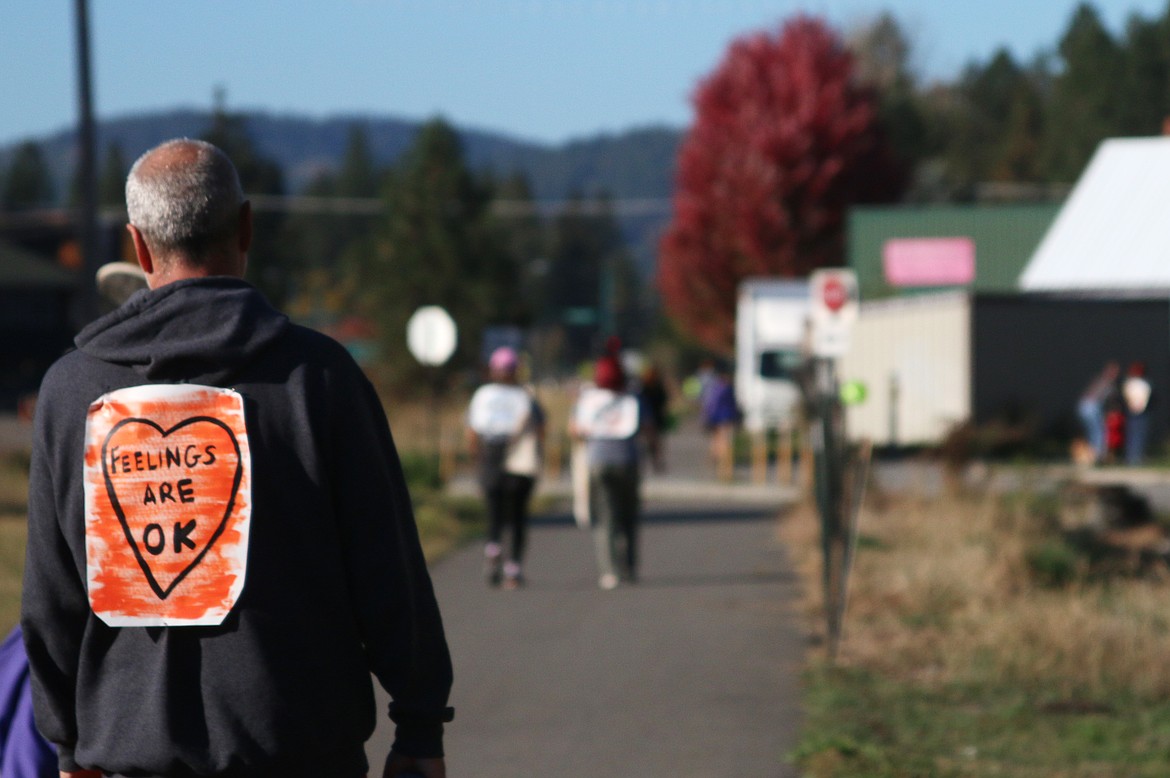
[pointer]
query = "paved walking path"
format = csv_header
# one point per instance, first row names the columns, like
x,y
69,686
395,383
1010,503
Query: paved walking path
x,y
691,672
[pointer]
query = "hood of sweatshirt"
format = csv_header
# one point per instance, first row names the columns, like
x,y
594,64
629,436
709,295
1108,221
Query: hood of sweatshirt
x,y
196,329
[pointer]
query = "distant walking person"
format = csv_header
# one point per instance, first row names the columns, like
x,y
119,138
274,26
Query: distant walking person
x,y
720,417
1136,393
1091,409
608,419
506,435
656,402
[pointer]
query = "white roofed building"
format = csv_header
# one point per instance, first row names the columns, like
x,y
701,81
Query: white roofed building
x,y
1113,232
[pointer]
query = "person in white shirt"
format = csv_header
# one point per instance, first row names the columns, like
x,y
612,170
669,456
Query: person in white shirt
x,y
1136,392
506,435
608,418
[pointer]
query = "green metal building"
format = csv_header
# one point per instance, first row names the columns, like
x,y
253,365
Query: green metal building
x,y
1002,239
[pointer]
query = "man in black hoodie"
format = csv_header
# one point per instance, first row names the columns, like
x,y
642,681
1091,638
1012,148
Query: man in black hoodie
x,y
221,545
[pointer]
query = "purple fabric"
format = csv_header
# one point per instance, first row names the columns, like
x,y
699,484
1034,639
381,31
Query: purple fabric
x,y
719,405
23,752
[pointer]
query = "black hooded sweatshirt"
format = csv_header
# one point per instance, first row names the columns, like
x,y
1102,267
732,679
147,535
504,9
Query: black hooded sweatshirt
x,y
336,584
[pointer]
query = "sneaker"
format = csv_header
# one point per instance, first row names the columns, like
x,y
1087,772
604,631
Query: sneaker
x,y
513,578
608,581
492,570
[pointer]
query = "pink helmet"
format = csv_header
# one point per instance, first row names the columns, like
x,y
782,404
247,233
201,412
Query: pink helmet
x,y
503,360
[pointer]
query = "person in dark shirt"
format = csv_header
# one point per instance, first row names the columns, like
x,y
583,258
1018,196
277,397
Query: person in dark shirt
x,y
221,546
656,402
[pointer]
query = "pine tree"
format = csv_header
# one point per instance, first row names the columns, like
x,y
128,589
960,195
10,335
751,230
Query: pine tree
x,y
994,126
28,183
359,176
270,267
112,181
1146,81
1086,98
524,236
436,246
591,289
882,53
111,184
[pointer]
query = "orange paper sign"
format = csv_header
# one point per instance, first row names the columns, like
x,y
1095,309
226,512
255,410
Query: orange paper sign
x,y
168,505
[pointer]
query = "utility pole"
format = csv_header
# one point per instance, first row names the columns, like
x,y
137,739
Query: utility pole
x,y
85,306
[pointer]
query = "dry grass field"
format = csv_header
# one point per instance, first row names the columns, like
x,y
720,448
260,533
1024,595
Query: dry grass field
x,y
976,642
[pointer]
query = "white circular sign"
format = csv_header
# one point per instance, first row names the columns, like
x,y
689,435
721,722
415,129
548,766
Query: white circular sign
x,y
431,335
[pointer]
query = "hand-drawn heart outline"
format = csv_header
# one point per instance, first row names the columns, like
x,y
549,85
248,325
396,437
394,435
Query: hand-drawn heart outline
x,y
113,495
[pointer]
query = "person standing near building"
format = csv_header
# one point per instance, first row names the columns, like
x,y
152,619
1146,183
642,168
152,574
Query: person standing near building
x,y
608,419
1091,409
221,546
1136,393
506,436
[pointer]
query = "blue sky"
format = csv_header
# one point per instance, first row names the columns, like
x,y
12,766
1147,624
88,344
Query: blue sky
x,y
544,70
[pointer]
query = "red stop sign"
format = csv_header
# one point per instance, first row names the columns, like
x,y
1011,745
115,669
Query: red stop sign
x,y
834,294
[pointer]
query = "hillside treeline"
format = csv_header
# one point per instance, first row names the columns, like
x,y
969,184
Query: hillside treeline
x,y
1006,129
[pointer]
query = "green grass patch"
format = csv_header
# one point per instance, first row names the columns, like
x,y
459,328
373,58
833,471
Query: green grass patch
x,y
446,522
859,723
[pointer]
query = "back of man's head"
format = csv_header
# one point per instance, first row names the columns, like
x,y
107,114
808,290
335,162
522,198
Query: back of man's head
x,y
184,196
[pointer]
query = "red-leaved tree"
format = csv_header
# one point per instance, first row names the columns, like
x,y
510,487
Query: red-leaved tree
x,y
784,141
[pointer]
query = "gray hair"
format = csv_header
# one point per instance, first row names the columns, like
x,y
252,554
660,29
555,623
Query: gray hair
x,y
184,195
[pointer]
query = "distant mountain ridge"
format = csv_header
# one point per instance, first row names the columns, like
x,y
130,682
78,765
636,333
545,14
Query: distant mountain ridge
x,y
634,165
637,163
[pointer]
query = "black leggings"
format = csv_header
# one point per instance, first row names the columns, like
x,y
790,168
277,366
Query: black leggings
x,y
507,505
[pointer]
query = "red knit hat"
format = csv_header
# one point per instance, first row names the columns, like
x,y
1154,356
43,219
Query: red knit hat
x,y
608,374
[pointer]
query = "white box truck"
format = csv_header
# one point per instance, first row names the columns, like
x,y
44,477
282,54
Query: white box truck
x,y
771,324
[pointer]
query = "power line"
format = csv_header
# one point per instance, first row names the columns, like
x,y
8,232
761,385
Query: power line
x,y
368,206
372,206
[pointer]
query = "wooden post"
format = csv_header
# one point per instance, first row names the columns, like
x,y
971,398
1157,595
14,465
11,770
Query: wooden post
x,y
553,455
806,460
448,456
725,452
784,453
759,456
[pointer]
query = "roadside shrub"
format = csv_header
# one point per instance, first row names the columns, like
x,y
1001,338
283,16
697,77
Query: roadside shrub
x,y
422,471
1053,563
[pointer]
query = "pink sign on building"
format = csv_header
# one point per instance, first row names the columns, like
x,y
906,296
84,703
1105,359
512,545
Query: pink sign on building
x,y
929,261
